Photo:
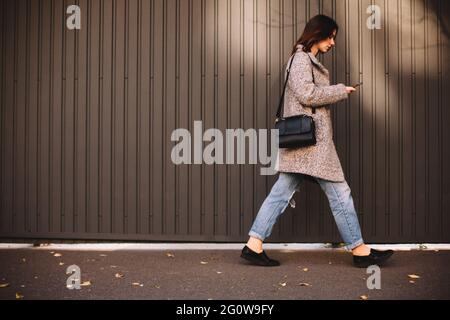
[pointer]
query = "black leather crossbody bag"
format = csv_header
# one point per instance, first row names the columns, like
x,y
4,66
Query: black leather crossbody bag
x,y
296,131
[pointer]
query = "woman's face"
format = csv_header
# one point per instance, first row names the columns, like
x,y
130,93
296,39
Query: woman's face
x,y
325,45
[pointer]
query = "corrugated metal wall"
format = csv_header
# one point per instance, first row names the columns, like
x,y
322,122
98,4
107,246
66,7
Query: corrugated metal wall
x,y
87,115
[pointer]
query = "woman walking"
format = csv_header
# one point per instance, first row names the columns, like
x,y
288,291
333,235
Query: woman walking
x,y
309,92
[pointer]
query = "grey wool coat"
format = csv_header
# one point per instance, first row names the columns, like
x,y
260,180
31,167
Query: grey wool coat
x,y
302,94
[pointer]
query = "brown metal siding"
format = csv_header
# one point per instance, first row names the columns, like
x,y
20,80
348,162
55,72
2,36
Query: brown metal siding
x,y
87,115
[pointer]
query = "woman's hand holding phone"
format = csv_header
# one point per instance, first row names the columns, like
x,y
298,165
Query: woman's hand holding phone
x,y
353,88
350,89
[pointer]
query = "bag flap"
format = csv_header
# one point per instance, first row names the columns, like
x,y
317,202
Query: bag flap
x,y
295,125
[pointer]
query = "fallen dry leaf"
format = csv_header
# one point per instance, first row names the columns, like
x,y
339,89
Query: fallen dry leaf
x,y
157,286
364,297
86,283
170,255
138,284
413,276
19,295
304,284
118,275
283,284
57,255
412,281
61,263
203,262
305,269
4,285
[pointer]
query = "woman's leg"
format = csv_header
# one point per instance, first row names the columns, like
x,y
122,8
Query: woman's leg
x,y
344,213
341,203
273,206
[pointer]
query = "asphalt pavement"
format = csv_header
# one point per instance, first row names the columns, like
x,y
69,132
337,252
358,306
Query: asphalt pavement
x,y
31,273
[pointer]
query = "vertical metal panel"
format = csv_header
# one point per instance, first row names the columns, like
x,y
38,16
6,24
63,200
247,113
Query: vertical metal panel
x,y
55,117
81,130
248,108
21,116
93,117
143,116
222,109
87,117
434,171
7,211
444,95
119,116
183,120
209,107
106,116
33,60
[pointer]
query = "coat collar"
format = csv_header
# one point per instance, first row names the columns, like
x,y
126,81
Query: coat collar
x,y
312,56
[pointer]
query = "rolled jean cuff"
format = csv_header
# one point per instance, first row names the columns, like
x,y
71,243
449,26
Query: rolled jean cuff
x,y
255,235
355,244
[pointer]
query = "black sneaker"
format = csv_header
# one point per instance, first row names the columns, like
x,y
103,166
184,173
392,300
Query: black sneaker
x,y
259,259
375,257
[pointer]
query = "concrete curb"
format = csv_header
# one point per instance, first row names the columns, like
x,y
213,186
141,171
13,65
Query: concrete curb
x,y
213,246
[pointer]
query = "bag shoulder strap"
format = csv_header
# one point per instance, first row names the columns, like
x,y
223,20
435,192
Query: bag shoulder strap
x,y
281,104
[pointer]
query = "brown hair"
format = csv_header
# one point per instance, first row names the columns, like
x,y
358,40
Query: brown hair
x,y
317,29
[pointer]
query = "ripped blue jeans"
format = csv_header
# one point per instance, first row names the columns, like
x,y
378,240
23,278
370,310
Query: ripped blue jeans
x,y
339,197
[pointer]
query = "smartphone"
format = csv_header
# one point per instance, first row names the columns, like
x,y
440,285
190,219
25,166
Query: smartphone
x,y
357,85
